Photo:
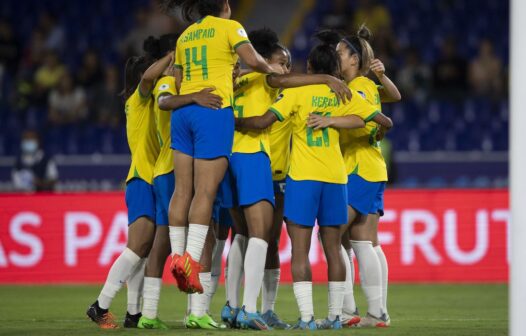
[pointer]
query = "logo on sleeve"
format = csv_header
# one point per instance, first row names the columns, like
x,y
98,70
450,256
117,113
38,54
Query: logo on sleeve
x,y
164,87
242,32
362,94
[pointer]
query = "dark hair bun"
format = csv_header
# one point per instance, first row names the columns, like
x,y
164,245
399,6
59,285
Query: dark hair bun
x,y
364,32
152,47
328,37
167,43
265,41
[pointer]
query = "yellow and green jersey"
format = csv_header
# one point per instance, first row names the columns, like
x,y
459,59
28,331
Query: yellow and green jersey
x,y
253,97
280,137
361,151
206,54
165,162
316,154
142,136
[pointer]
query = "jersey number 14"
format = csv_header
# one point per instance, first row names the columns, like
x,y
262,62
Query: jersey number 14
x,y
193,59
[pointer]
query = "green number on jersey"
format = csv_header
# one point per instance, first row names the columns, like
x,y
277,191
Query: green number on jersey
x,y
191,58
372,137
238,109
318,141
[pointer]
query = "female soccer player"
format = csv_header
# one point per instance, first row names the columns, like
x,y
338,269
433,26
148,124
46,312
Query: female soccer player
x,y
316,182
367,176
165,99
140,79
202,137
249,179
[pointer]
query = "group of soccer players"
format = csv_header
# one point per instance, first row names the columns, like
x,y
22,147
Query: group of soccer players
x,y
216,148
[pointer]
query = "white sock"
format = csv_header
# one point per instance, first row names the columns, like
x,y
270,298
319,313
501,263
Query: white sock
x,y
199,303
303,294
119,273
236,257
270,289
135,288
255,259
151,295
370,275
336,290
177,239
196,240
217,257
349,305
351,259
385,275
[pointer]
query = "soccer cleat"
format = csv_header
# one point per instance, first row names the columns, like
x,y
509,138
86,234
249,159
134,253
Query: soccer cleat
x,y
350,320
103,318
274,321
146,323
251,321
130,321
374,322
186,271
328,324
203,322
302,325
179,279
229,314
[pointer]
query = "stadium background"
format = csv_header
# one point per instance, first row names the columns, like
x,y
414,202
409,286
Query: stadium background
x,y
447,217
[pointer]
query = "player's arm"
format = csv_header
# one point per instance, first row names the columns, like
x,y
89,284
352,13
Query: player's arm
x,y
257,123
388,91
152,73
296,80
203,98
255,61
351,121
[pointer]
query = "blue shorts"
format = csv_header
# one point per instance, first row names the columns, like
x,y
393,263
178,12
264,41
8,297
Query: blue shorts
x,y
364,196
306,201
247,181
202,133
279,187
140,200
163,186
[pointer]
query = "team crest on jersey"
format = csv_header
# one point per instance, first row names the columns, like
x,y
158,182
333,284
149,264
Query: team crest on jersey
x,y
242,32
361,94
164,87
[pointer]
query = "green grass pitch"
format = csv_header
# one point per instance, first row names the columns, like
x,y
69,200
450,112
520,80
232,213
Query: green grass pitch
x,y
415,310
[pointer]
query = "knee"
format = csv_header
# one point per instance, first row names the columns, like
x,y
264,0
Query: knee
x,y
141,248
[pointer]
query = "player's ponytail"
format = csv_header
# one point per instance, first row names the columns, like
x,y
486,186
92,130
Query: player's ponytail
x,y
330,37
323,59
266,42
359,44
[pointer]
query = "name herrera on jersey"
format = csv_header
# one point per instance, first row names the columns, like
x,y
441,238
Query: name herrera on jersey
x,y
199,34
323,102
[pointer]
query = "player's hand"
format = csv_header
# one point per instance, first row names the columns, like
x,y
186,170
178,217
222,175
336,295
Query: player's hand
x,y
378,68
317,121
277,69
206,98
380,133
341,90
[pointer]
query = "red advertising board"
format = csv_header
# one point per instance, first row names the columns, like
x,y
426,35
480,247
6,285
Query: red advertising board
x,y
427,235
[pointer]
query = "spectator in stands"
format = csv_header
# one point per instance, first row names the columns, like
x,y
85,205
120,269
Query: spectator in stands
x,y
373,13
34,51
450,73
414,78
33,170
9,48
67,102
485,72
54,34
49,74
106,101
91,72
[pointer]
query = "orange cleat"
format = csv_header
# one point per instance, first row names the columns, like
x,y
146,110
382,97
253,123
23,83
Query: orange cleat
x,y
105,320
186,270
350,320
179,279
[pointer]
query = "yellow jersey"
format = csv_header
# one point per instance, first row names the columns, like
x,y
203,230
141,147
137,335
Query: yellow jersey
x,y
280,137
206,54
165,160
361,151
142,136
253,97
316,154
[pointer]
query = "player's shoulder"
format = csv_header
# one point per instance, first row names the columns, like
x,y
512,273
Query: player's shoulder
x,y
362,85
